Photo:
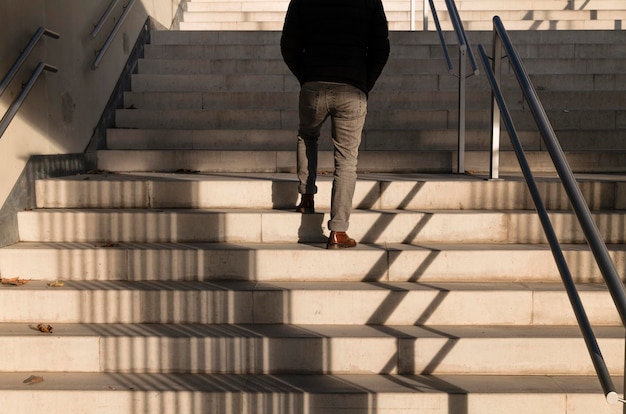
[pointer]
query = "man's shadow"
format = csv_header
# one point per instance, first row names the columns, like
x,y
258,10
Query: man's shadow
x,y
311,230
285,197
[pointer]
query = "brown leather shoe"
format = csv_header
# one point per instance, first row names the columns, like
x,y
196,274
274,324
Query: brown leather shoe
x,y
307,205
339,240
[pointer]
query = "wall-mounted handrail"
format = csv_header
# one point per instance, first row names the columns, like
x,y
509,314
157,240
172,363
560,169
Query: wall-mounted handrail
x,y
103,18
15,106
24,55
583,214
112,35
465,50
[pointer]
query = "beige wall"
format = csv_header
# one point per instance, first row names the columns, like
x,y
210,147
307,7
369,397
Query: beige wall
x,y
61,112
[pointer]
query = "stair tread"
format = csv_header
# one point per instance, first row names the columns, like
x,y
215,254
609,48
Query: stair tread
x,y
344,384
165,330
280,286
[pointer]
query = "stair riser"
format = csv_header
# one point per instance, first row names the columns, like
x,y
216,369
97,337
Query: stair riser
x,y
269,161
400,21
369,161
398,84
146,226
563,102
372,140
203,262
343,307
371,192
384,355
126,398
408,119
431,38
426,50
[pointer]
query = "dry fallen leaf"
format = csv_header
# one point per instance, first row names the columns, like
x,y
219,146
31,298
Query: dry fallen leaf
x,y
33,379
44,328
56,283
15,281
106,245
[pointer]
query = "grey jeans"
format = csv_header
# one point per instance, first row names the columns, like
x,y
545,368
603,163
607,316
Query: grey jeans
x,y
346,106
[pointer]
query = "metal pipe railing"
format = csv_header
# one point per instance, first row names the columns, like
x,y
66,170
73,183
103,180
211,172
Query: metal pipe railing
x,y
112,35
594,239
103,18
442,40
465,51
24,55
15,106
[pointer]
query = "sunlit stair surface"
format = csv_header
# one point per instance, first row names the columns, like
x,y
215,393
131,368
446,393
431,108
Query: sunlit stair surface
x,y
177,277
477,15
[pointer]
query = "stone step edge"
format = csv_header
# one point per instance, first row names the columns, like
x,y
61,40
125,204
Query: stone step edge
x,y
379,227
192,393
214,263
415,385
409,346
371,303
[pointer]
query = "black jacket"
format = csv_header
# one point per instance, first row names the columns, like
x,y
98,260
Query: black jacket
x,y
336,41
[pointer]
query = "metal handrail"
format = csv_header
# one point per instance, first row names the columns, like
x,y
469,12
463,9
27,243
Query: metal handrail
x,y
15,106
583,214
461,34
24,55
465,50
442,40
103,18
112,35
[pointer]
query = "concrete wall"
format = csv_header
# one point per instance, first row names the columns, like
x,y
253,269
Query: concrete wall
x,y
63,109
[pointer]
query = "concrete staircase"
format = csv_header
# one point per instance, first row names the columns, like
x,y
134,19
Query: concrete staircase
x,y
477,15
191,286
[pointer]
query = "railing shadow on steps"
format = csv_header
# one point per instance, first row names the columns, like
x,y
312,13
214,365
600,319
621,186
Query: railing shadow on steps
x,y
42,66
107,43
465,52
600,252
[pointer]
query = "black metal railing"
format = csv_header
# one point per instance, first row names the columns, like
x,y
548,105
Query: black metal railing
x,y
583,214
465,53
17,103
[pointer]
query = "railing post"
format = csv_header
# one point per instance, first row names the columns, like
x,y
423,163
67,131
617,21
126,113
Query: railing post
x,y
425,15
494,162
461,126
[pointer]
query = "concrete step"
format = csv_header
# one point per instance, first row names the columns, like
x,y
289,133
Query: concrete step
x,y
476,162
585,161
462,5
531,5
372,140
279,191
314,303
416,49
383,119
276,15
382,100
268,161
401,83
277,226
400,21
307,349
427,263
299,394
541,39
547,25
